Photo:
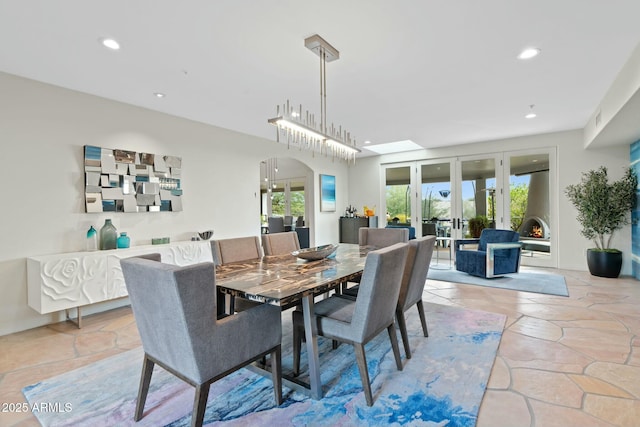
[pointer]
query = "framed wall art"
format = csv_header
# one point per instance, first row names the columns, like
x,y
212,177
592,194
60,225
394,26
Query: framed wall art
x,y
127,181
327,193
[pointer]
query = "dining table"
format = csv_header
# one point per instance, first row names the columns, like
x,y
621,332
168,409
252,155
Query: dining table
x,y
287,281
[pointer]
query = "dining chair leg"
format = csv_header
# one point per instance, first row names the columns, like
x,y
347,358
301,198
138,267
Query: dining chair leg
x,y
145,380
276,373
423,319
394,345
402,324
364,372
297,346
200,404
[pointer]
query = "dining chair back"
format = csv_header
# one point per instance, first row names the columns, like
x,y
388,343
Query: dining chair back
x,y
378,238
236,249
175,312
276,224
382,237
280,243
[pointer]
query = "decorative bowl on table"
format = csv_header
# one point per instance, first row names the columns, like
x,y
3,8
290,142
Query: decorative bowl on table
x,y
205,235
317,253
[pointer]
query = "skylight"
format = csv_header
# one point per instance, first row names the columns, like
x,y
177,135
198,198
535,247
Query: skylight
x,y
393,147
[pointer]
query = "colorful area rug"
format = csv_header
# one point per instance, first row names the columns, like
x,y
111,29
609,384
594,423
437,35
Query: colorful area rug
x,y
541,283
442,384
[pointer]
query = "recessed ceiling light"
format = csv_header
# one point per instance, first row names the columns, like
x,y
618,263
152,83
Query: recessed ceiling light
x,y
159,94
531,114
111,44
367,142
529,53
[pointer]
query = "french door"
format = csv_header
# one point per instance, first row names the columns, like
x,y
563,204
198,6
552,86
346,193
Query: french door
x,y
454,192
448,197
530,204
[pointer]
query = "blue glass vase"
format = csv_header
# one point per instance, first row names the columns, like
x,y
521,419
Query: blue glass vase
x,y
123,241
92,239
108,235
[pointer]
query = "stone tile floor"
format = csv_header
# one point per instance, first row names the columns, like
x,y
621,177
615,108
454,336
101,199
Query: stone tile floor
x,y
562,361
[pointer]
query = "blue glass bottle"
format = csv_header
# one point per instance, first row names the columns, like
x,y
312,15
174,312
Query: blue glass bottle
x,y
123,241
108,235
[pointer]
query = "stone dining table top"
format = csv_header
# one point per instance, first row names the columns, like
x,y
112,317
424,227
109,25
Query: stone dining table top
x,y
284,279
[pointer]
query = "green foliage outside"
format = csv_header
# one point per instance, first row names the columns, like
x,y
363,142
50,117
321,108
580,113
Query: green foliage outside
x,y
296,203
603,206
519,195
398,203
277,204
477,224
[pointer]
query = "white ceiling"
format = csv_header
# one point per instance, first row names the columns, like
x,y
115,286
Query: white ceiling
x,y
435,72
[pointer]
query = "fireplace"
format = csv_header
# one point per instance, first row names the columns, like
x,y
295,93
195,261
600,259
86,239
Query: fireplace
x,y
534,235
534,227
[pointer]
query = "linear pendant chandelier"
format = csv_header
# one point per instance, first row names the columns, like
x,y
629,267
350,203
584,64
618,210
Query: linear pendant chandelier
x,y
303,131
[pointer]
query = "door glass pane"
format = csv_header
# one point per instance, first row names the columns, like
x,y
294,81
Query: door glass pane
x,y
296,198
435,204
277,199
478,196
529,206
398,194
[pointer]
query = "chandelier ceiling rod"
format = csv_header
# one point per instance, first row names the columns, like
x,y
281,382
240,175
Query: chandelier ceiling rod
x,y
323,91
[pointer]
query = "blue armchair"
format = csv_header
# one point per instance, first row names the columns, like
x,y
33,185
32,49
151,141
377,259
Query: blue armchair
x,y
498,254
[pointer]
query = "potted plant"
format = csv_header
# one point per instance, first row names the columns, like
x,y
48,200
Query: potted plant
x,y
477,224
603,208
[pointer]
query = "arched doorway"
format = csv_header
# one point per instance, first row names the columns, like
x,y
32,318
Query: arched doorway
x,y
286,191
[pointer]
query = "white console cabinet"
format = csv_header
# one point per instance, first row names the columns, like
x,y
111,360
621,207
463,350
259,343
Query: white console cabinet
x,y
71,280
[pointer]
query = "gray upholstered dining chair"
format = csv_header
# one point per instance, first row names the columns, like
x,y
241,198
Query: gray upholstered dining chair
x,y
412,285
378,238
235,249
276,224
382,237
280,243
357,322
175,311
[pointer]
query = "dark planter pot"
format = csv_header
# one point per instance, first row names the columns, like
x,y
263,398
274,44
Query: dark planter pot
x,y
604,264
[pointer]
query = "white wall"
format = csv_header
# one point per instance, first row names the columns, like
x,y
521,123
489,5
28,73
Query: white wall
x,y
615,120
573,159
42,133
